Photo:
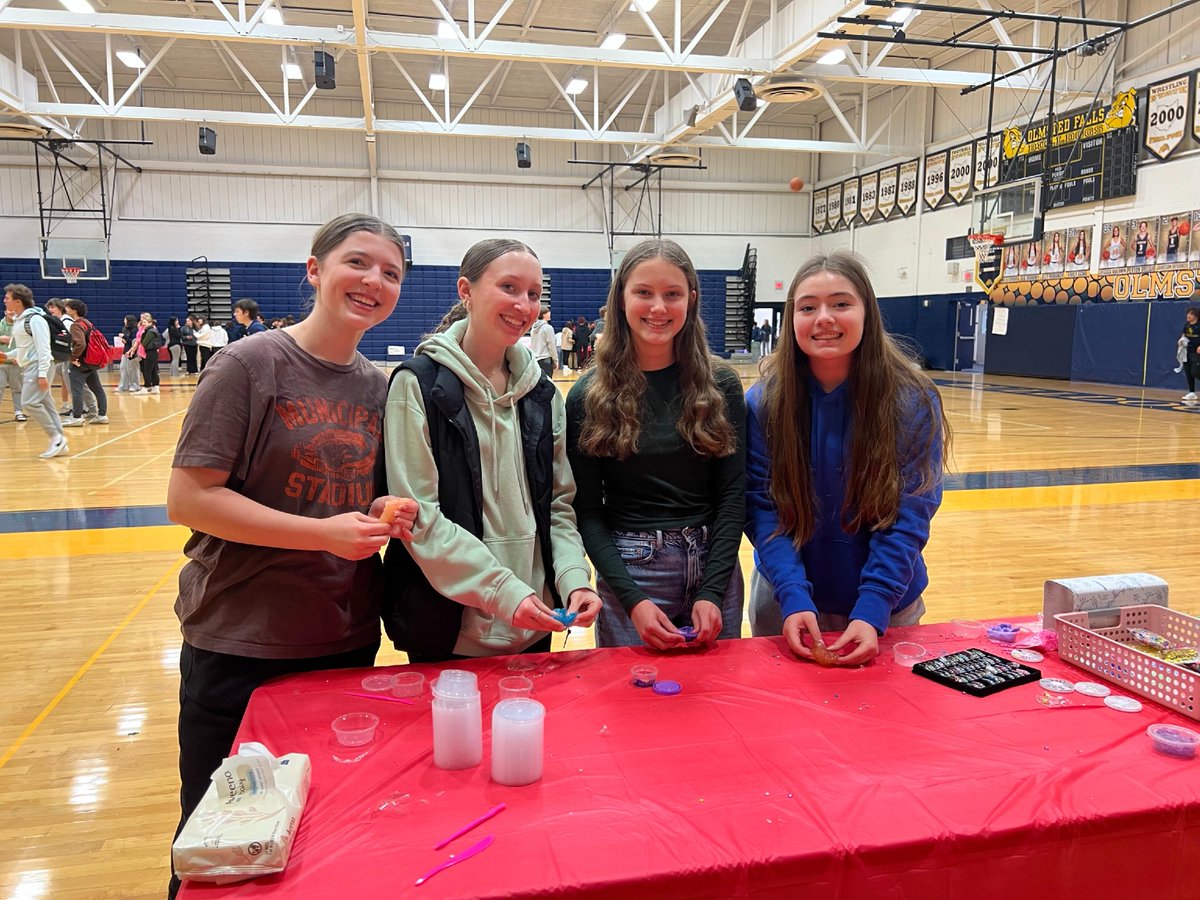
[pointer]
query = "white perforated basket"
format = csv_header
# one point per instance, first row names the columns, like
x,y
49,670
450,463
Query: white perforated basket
x,y
1099,641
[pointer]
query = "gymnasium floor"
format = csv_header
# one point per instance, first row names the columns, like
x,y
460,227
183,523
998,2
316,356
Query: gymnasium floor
x,y
1048,480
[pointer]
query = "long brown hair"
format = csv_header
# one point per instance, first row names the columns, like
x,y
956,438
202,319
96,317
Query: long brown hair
x,y
615,398
885,385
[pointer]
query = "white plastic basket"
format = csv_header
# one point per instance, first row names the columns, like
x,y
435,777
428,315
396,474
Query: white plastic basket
x,y
1099,641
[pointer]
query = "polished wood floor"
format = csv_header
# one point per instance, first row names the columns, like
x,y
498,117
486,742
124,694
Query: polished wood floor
x,y
89,669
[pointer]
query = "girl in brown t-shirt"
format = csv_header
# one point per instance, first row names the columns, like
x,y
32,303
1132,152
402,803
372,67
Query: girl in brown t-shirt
x,y
277,473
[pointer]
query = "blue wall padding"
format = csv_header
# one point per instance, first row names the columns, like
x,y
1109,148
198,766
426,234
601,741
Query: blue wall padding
x,y
1109,343
1166,323
280,290
1038,343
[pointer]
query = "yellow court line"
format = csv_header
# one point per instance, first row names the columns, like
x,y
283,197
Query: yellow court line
x,y
1070,495
74,680
93,542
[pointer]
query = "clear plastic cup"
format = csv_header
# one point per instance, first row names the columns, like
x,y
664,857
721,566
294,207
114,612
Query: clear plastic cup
x,y
408,684
643,675
909,654
377,684
967,628
515,687
518,737
456,683
1174,740
355,729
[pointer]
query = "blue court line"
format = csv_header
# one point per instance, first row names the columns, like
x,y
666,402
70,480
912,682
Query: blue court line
x,y
1123,400
137,516
973,481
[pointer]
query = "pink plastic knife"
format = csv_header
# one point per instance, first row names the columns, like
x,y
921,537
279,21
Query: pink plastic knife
x,y
456,858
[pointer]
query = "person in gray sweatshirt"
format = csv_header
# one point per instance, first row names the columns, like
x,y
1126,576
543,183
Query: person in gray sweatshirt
x,y
31,349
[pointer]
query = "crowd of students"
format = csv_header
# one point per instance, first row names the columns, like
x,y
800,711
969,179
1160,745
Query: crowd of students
x,y
652,467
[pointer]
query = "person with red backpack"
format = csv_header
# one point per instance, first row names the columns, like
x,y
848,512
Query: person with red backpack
x,y
89,354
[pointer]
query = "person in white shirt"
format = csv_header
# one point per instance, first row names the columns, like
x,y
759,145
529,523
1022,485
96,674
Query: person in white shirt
x,y
31,349
203,340
218,337
542,343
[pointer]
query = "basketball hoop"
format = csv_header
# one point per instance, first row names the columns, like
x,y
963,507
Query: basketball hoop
x,y
70,274
988,251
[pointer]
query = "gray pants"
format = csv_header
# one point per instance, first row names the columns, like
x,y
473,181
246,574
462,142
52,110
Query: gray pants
x,y
130,377
176,355
767,619
10,377
38,404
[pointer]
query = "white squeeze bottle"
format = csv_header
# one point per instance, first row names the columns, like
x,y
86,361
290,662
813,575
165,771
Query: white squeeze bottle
x,y
457,720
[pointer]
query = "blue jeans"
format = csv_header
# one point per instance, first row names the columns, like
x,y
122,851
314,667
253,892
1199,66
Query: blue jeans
x,y
668,566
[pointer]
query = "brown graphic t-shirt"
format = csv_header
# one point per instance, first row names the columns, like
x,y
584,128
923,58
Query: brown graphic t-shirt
x,y
300,435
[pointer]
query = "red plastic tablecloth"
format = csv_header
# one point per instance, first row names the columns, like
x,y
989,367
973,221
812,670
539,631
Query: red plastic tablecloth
x,y
765,777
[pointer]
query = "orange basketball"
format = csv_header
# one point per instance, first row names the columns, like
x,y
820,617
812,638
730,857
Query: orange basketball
x,y
1185,227
796,184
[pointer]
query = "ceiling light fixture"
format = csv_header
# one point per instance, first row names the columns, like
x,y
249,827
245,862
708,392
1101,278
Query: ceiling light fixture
x,y
131,59
272,17
612,41
291,71
900,16
437,81
446,30
576,86
832,58
81,7
643,5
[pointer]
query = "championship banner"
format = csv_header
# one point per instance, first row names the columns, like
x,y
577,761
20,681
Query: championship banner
x,y
1196,105
906,193
849,201
958,183
833,208
981,159
1166,115
887,191
868,197
818,216
935,179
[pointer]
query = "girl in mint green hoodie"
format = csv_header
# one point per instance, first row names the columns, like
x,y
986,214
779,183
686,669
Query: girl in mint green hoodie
x,y
484,572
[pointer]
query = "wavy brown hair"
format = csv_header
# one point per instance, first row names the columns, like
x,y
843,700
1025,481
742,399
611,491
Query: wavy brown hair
x,y
889,394
616,396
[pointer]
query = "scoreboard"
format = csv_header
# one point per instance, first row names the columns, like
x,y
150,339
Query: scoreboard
x,y
1092,155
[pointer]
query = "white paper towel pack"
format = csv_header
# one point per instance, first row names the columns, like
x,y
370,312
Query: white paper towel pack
x,y
1062,595
247,820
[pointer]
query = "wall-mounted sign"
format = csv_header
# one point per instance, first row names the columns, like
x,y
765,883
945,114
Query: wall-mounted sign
x,y
1166,115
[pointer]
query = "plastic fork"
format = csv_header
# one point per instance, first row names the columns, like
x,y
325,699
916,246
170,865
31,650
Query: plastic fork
x,y
456,858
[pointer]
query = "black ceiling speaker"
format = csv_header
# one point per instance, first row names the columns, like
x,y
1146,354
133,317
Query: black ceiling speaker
x,y
744,92
208,141
524,156
323,70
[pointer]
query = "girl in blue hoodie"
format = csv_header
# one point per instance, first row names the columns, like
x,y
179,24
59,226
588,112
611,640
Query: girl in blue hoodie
x,y
844,472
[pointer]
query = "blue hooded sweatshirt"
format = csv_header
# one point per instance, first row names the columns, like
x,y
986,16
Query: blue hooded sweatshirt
x,y
866,575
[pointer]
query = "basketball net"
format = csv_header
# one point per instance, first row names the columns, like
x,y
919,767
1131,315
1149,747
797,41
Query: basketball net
x,y
989,253
70,274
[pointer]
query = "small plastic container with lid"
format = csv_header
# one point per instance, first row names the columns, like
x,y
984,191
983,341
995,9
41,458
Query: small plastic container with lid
x,y
457,720
1174,740
643,675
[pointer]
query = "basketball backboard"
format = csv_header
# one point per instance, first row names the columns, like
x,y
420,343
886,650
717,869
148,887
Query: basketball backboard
x,y
1013,210
88,255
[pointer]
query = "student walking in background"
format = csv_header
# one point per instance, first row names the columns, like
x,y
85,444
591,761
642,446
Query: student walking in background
x,y
31,350
844,472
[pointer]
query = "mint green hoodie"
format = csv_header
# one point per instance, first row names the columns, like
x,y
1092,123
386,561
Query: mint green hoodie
x,y
492,575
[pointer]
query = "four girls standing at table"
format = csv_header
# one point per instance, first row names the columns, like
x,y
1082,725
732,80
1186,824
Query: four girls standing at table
x,y
656,434
277,473
844,471
475,432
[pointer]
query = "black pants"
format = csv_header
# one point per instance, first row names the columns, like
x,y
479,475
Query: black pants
x,y
547,365
81,377
214,690
542,645
205,355
1191,369
150,369
189,354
